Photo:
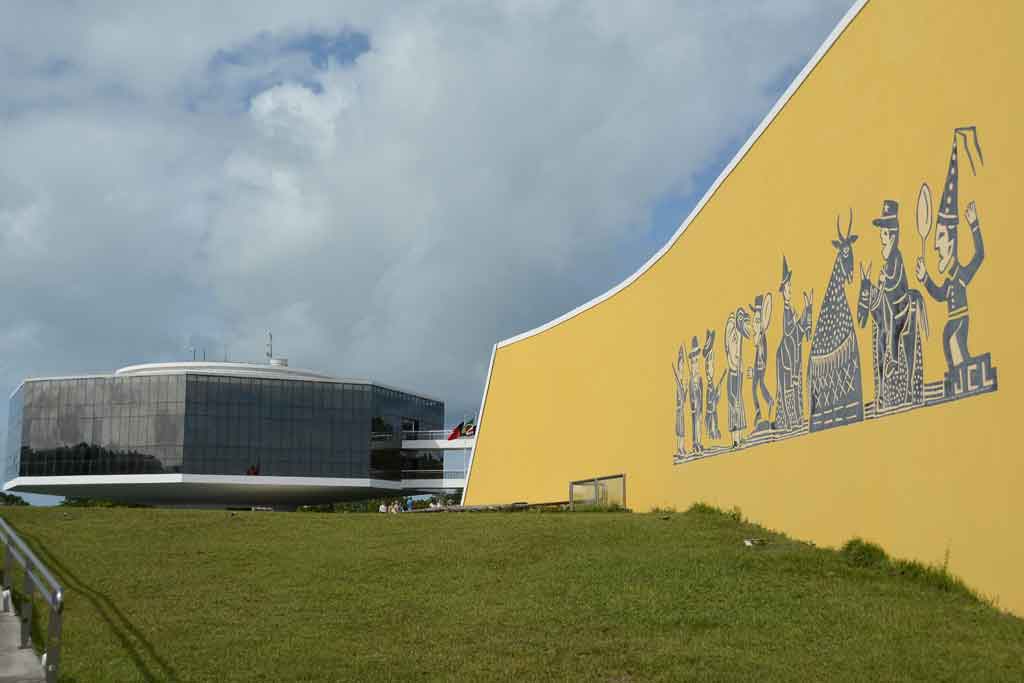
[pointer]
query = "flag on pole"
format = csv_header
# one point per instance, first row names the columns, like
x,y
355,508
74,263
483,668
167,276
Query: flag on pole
x,y
457,432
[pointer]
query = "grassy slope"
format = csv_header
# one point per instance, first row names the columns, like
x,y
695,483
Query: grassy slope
x,y
200,595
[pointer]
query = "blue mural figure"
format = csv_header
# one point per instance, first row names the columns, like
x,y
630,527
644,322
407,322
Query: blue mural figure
x,y
737,327
833,371
761,315
696,396
899,318
965,372
796,327
677,370
714,390
893,281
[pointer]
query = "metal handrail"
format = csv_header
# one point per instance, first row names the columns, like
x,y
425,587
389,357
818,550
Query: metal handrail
x,y
433,474
432,435
403,475
36,578
419,435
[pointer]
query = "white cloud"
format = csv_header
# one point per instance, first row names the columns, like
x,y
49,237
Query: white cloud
x,y
483,168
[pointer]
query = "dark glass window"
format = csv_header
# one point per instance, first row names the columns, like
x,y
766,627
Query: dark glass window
x,y
203,424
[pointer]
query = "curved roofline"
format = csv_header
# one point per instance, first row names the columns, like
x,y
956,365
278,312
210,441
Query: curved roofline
x,y
793,87
228,369
783,99
225,368
248,369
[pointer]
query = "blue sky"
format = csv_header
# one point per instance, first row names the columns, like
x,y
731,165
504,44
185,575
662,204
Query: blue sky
x,y
389,187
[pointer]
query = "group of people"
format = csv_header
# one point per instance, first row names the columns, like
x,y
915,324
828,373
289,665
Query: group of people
x,y
396,506
834,368
703,401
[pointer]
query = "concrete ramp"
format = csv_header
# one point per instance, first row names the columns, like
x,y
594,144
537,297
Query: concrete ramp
x,y
17,665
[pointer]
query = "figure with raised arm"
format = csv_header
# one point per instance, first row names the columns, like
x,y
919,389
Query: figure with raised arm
x,y
696,396
966,373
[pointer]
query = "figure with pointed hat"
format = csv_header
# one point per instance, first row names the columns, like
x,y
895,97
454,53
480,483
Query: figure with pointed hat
x,y
761,315
796,328
696,395
714,390
677,370
954,289
737,327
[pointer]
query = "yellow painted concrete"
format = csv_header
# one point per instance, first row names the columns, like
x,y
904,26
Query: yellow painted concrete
x,y
595,395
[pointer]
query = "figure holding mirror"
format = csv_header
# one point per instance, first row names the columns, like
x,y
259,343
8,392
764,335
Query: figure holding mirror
x,y
954,289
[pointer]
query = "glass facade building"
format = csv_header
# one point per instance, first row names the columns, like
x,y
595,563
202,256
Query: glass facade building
x,y
211,419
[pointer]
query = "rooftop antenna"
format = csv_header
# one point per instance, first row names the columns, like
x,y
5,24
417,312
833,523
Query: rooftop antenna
x,y
204,354
270,344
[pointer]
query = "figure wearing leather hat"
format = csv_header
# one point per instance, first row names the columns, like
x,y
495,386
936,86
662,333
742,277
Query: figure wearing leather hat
x,y
893,283
796,328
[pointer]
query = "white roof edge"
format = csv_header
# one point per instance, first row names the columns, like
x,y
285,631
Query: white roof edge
x,y
182,368
56,377
220,367
189,478
783,99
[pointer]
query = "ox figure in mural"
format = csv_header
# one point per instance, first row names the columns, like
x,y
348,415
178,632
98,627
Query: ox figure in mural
x,y
899,319
833,372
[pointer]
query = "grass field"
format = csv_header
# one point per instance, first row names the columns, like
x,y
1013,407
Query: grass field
x,y
207,595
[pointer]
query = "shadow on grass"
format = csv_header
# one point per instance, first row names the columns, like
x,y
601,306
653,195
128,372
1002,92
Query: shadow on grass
x,y
130,637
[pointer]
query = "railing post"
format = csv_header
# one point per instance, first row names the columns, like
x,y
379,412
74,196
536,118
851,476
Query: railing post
x,y
53,642
7,580
26,606
46,584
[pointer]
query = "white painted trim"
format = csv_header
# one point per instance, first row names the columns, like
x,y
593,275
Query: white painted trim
x,y
223,368
479,422
432,484
88,479
260,480
797,82
207,368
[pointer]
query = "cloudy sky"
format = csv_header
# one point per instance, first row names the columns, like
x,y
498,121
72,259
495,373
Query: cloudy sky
x,y
389,187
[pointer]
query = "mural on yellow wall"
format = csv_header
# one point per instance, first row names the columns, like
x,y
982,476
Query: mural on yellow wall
x,y
898,313
833,371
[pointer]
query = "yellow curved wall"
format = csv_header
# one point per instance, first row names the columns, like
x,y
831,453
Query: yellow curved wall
x,y
594,395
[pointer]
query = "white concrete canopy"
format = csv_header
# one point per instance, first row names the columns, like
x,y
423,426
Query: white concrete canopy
x,y
225,490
